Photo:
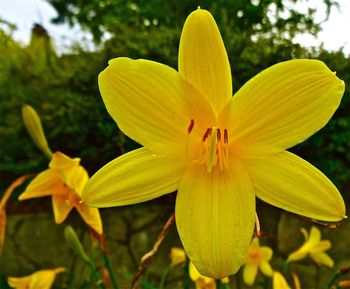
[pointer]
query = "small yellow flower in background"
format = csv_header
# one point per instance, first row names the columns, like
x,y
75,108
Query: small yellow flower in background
x,y
177,256
314,248
279,282
219,152
34,127
257,258
203,282
64,181
3,202
42,279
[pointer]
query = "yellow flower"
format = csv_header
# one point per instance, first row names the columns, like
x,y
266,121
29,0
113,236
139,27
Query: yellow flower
x,y
279,282
219,152
42,279
257,258
314,248
177,256
64,181
203,282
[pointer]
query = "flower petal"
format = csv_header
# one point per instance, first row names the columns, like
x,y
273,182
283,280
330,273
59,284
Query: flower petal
x,y
135,177
44,184
279,282
249,273
322,246
91,216
315,236
215,215
265,268
19,282
152,103
203,59
61,208
60,161
282,106
298,254
266,253
291,183
322,258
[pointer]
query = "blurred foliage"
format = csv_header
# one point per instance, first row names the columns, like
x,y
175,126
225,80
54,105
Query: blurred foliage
x,y
63,88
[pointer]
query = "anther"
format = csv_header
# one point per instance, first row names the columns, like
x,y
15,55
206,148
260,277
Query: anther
x,y
190,127
225,136
207,133
218,135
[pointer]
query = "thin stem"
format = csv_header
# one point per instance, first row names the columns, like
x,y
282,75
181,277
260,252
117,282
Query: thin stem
x,y
187,280
108,265
94,272
147,258
164,277
218,283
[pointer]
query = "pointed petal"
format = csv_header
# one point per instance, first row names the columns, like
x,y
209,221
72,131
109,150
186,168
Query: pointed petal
x,y
291,183
322,258
265,268
322,246
215,216
44,184
44,279
279,282
135,177
76,178
152,103
19,282
282,106
203,59
315,236
266,253
61,207
298,254
249,273
91,216
60,161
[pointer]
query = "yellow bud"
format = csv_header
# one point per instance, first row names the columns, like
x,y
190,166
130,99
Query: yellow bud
x,y
33,124
74,242
177,256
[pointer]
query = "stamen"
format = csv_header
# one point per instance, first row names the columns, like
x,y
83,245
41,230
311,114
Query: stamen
x,y
225,136
190,127
218,134
211,161
207,133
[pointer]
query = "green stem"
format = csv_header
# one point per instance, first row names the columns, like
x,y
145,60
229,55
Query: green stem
x,y
218,284
108,265
97,277
164,277
187,280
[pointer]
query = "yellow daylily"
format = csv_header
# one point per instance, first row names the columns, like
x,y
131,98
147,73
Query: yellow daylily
x,y
42,279
64,181
313,247
257,258
203,282
219,152
279,282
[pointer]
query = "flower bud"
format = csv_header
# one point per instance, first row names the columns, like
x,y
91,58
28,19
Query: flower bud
x,y
33,124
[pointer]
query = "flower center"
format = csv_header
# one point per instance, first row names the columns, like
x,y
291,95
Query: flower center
x,y
213,147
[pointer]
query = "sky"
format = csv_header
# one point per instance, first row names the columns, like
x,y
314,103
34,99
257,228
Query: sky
x,y
24,13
